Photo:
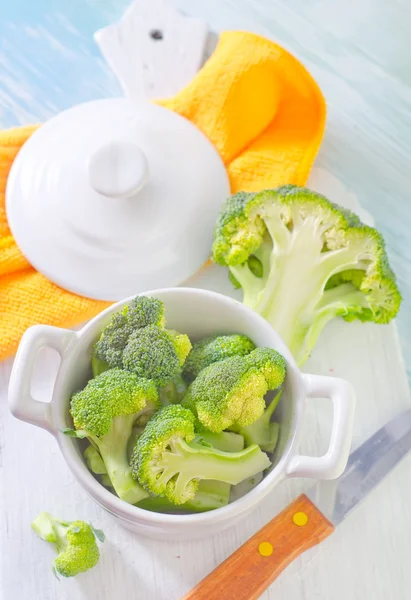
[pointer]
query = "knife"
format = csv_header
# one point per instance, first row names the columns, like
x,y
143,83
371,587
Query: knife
x,y
308,520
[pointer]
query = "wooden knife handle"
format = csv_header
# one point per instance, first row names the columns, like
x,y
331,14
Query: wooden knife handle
x,y
252,568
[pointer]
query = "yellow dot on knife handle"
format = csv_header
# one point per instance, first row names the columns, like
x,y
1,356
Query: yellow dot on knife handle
x,y
300,519
265,549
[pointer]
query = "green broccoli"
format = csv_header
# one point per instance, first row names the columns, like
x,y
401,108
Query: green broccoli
x,y
155,353
213,349
75,543
210,494
231,392
140,312
263,431
105,412
302,260
173,392
169,461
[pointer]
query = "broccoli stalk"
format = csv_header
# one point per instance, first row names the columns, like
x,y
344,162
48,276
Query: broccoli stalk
x,y
227,441
262,432
301,261
197,460
113,447
75,543
105,412
168,460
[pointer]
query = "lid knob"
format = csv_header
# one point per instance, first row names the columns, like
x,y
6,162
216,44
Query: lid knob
x,y
118,170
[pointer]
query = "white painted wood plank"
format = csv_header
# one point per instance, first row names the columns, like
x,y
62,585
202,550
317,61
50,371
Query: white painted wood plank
x,y
352,564
153,50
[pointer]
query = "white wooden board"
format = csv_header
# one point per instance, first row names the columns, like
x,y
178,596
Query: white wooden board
x,y
34,477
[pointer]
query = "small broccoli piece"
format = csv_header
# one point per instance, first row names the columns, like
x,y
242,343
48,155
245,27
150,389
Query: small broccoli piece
x,y
173,392
263,431
169,461
302,260
213,349
231,392
105,412
75,543
140,312
155,353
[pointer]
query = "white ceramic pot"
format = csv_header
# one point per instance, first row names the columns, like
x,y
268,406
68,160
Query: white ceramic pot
x,y
197,313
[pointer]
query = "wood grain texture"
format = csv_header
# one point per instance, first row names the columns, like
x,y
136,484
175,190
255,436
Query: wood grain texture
x,y
247,573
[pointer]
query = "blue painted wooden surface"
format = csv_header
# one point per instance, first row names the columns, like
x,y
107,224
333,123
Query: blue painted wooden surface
x,y
358,51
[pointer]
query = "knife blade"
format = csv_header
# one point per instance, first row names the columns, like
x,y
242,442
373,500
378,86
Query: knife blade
x,y
312,517
366,468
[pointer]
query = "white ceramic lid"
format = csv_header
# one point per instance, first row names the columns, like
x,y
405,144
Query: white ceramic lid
x,y
113,197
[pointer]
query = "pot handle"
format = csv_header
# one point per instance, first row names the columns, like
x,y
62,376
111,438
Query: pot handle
x,y
22,404
332,464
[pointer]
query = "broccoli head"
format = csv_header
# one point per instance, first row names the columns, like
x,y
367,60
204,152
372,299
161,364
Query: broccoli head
x,y
168,460
302,260
263,431
140,312
105,412
75,543
231,392
155,353
213,349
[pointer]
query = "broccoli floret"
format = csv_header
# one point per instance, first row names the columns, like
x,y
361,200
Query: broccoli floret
x,y
105,412
155,353
302,260
231,392
263,432
140,312
169,461
75,543
213,349
210,494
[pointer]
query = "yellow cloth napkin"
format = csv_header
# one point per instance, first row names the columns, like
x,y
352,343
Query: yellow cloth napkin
x,y
254,101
